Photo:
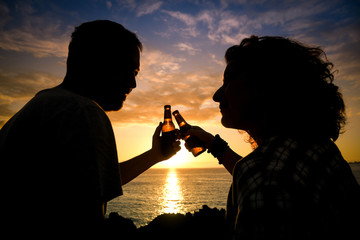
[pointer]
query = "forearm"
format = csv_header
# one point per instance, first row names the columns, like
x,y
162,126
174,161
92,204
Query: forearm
x,y
132,168
229,160
219,148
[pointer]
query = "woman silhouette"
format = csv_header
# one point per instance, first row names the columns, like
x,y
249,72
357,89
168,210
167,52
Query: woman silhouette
x,y
295,184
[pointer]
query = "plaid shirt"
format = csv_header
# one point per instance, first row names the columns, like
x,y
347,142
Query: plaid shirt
x,y
288,189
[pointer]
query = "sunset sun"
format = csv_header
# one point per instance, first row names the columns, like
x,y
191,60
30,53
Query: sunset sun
x,y
179,160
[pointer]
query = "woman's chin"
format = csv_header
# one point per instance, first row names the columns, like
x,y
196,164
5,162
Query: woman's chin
x,y
226,123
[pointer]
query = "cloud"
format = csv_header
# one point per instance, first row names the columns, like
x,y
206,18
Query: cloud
x,y
224,27
146,106
229,29
158,64
226,3
148,8
40,35
162,80
18,88
214,59
130,4
5,14
140,8
228,26
108,4
221,26
187,47
188,19
314,22
27,40
168,78
190,22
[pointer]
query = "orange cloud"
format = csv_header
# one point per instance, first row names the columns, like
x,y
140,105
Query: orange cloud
x,y
17,89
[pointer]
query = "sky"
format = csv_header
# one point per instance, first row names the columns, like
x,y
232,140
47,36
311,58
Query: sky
x,y
182,62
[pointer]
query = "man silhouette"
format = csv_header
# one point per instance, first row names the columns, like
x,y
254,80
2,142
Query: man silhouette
x,y
58,153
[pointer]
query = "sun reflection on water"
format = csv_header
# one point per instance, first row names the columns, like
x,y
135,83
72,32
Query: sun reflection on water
x,y
172,195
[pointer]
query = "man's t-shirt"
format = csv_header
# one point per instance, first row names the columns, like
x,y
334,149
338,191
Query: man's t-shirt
x,y
58,158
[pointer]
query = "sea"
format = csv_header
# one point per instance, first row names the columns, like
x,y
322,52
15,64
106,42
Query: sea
x,y
159,191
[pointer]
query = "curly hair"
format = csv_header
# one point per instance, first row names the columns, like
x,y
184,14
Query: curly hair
x,y
295,85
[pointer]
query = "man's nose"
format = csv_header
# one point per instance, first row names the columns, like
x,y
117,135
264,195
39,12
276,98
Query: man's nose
x,y
218,95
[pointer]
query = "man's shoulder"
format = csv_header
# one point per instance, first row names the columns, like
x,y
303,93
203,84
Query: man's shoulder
x,y
61,100
64,96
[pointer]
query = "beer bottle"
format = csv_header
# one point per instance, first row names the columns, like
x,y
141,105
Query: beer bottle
x,y
168,132
197,147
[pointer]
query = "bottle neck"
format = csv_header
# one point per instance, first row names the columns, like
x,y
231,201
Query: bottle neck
x,y
167,114
184,126
181,121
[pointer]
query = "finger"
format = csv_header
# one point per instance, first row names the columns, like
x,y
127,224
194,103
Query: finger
x,y
158,130
177,134
194,129
176,146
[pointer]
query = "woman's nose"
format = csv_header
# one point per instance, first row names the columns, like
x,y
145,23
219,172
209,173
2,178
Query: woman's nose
x,y
131,82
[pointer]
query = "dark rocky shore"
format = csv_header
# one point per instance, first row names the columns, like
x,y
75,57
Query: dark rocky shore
x,y
206,223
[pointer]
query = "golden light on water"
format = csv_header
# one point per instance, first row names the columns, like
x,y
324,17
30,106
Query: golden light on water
x,y
172,194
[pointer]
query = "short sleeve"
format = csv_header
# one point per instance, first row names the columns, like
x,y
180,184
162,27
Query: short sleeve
x,y
102,145
89,149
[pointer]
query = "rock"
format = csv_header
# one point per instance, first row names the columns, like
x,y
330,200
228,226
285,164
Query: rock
x,y
207,223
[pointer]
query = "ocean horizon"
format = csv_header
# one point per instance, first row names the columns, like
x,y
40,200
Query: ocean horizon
x,y
176,190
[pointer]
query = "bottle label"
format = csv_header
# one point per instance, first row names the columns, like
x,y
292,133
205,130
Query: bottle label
x,y
167,139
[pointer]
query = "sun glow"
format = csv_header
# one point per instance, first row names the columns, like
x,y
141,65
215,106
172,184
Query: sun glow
x,y
180,159
172,194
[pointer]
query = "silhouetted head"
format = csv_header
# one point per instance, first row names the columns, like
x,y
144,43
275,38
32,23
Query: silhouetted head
x,y
277,86
103,60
